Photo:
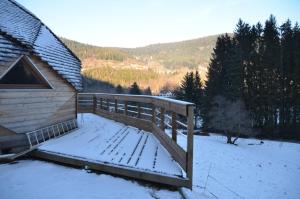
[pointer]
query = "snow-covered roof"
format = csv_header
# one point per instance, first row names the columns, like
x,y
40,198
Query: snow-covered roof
x,y
21,32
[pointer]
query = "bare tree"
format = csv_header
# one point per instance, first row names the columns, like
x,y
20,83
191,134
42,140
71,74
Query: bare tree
x,y
231,117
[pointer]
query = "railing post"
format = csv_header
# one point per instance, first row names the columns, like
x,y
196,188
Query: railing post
x,y
162,118
107,103
174,127
139,110
77,104
126,107
94,103
190,143
116,105
153,114
101,103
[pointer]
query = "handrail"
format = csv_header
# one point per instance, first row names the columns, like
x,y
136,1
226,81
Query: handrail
x,y
167,103
135,111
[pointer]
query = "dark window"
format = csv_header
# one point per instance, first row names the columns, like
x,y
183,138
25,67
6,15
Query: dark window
x,y
23,75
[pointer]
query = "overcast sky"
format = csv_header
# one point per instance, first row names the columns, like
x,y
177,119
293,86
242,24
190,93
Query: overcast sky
x,y
134,23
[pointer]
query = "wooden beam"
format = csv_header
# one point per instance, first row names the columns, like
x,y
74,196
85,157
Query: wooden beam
x,y
6,131
107,103
153,114
190,143
116,105
174,127
162,118
94,103
11,141
112,169
76,105
128,120
139,110
126,108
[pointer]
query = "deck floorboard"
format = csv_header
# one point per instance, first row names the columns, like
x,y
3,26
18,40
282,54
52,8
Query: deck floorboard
x,y
102,140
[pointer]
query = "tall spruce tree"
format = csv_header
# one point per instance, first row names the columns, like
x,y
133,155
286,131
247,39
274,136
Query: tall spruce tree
x,y
191,90
232,71
287,68
256,104
270,78
213,84
198,92
148,91
296,81
135,89
119,89
186,90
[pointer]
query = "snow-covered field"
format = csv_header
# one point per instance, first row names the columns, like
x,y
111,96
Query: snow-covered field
x,y
249,170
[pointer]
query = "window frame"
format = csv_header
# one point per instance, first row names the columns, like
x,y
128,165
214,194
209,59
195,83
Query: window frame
x,y
35,72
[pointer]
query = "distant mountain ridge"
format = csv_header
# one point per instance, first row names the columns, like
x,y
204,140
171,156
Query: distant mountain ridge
x,y
189,53
165,60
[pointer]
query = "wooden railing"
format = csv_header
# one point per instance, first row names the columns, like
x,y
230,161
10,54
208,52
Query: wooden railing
x,y
150,113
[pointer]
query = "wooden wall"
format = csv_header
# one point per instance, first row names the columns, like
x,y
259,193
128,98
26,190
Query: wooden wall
x,y
23,110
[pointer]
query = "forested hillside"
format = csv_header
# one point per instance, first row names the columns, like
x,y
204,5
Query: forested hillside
x,y
159,64
191,53
85,51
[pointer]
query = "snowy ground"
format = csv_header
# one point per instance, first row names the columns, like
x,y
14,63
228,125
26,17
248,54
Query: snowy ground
x,y
249,170
32,179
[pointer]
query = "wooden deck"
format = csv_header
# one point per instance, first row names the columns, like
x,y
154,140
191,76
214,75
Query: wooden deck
x,y
125,135
113,147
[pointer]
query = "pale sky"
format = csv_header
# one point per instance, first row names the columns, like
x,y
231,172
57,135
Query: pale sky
x,y
134,23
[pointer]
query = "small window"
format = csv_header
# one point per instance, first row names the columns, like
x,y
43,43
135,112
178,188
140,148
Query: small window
x,y
23,74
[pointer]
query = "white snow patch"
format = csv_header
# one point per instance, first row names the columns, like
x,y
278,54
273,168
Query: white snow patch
x,y
36,179
249,170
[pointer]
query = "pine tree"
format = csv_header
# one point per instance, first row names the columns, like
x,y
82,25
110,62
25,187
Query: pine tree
x,y
198,91
135,89
148,91
286,73
214,79
295,82
232,71
256,104
186,90
119,89
270,77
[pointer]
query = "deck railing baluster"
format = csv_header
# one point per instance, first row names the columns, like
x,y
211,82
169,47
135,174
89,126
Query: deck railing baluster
x,y
126,108
116,105
162,119
174,127
94,103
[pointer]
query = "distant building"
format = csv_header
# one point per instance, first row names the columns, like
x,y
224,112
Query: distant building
x,y
39,75
168,94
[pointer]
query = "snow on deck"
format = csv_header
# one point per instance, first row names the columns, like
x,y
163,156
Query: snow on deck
x,y
109,142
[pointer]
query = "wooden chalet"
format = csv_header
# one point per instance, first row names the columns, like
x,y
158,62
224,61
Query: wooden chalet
x,y
39,75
